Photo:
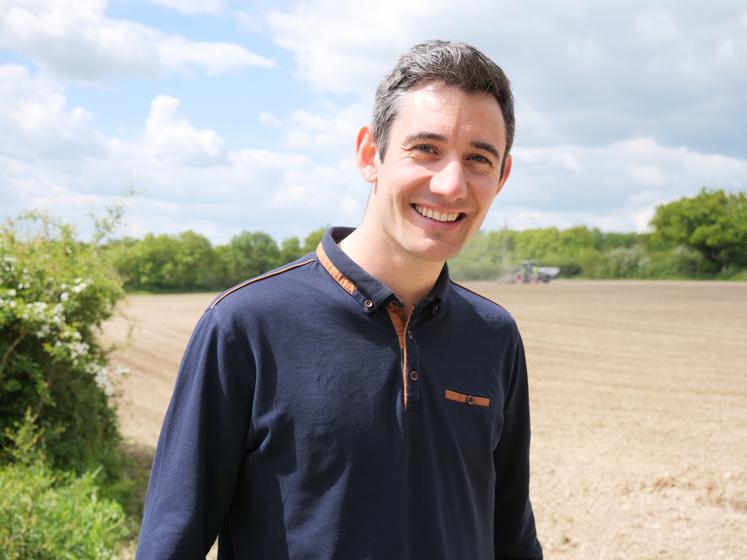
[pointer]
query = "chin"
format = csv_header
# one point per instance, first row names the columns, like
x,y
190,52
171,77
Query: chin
x,y
436,252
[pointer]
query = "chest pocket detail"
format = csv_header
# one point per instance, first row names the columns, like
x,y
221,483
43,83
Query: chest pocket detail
x,y
463,398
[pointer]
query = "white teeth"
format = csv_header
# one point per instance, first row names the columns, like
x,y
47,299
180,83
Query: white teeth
x,y
438,216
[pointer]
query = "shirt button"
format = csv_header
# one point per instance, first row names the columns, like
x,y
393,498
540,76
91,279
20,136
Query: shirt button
x,y
414,376
368,304
435,309
393,304
409,334
470,400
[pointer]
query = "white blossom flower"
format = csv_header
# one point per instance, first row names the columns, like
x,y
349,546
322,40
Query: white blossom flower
x,y
78,349
79,286
101,377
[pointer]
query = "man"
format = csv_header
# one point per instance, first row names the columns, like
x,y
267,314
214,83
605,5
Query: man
x,y
357,403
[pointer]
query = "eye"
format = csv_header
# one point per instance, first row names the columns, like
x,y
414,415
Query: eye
x,y
425,148
480,159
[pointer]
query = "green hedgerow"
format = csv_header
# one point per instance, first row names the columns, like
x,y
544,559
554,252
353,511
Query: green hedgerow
x,y
48,514
54,293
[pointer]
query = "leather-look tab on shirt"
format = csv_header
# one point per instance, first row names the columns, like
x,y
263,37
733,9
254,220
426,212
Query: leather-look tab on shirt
x,y
471,400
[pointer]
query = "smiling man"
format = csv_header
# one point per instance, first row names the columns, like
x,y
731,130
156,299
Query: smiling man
x,y
357,403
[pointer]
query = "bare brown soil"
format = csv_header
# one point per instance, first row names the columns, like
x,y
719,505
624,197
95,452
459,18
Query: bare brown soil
x,y
639,409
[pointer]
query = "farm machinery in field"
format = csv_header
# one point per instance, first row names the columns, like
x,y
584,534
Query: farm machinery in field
x,y
531,273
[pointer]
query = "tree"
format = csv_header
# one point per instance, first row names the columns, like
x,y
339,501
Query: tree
x,y
312,240
185,261
290,250
714,223
249,254
193,262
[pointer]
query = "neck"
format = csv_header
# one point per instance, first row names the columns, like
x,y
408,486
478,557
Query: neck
x,y
409,277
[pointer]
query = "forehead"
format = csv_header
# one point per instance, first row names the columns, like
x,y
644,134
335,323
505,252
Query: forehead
x,y
451,112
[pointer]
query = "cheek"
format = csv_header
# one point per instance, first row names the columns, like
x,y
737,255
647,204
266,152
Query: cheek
x,y
407,175
485,191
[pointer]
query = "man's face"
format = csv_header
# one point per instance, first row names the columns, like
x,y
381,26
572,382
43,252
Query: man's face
x,y
441,171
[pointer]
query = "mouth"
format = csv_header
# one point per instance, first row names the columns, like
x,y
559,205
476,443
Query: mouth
x,y
442,217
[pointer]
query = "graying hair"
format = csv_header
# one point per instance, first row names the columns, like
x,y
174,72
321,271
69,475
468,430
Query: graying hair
x,y
449,62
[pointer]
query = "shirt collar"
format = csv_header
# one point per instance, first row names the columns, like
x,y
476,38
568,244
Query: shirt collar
x,y
366,289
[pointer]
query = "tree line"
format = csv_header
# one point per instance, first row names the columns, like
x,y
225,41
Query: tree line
x,y
702,237
187,261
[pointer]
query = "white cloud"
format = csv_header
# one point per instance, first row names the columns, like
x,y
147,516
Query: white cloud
x,y
268,119
332,130
192,6
168,136
348,46
75,39
328,130
181,55
650,174
611,186
37,123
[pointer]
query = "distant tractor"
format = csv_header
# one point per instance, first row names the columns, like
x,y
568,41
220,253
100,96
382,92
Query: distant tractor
x,y
531,273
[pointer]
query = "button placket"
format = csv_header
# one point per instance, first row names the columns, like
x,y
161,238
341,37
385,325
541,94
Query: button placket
x,y
414,375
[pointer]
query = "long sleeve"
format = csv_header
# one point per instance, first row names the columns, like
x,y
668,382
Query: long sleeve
x,y
515,535
200,448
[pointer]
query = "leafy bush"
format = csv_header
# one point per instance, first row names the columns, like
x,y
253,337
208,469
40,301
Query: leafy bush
x,y
712,223
45,514
160,263
740,275
625,262
54,293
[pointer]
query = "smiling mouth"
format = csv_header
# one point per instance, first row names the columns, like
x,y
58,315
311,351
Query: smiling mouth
x,y
443,217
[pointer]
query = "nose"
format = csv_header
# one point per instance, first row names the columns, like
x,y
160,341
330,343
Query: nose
x,y
449,181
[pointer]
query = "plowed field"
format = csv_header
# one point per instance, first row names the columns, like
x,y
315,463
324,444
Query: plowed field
x,y
639,409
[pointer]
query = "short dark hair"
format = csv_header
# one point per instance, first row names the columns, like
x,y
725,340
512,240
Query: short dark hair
x,y
449,62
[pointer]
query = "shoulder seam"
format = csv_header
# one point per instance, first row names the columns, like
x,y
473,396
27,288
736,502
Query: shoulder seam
x,y
270,274
479,295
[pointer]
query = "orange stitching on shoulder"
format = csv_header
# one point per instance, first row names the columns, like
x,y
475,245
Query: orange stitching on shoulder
x,y
341,279
257,279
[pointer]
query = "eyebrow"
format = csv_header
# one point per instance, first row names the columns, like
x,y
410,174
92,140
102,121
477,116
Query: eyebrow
x,y
441,138
425,136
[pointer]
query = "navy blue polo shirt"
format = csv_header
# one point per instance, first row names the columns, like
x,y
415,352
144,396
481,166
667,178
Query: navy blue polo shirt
x,y
312,419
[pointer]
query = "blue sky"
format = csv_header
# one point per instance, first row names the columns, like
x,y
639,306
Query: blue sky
x,y
227,116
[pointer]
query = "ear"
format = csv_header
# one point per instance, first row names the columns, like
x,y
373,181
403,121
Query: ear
x,y
506,173
365,155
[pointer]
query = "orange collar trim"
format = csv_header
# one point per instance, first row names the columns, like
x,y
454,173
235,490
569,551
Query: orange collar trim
x,y
341,279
